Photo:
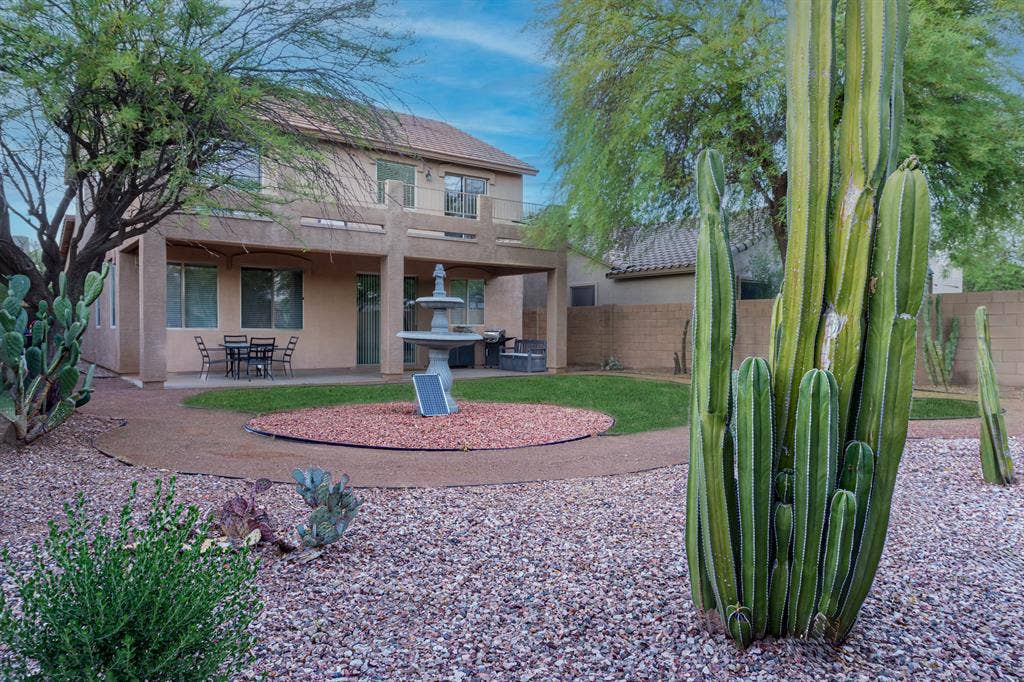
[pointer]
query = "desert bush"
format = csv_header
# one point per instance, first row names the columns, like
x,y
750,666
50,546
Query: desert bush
x,y
148,602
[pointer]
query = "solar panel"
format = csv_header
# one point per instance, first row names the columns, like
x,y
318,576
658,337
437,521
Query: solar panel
x,y
430,395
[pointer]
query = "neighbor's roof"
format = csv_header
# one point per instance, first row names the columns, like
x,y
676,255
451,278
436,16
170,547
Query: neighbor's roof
x,y
674,247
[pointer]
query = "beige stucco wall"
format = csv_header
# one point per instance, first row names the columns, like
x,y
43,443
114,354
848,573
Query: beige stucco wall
x,y
328,336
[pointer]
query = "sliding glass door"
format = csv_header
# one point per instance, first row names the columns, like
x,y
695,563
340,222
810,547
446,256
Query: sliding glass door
x,y
409,318
368,319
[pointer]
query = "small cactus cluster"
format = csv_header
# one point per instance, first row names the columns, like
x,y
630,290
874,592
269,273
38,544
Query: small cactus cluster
x,y
334,507
39,377
996,464
241,515
793,458
939,345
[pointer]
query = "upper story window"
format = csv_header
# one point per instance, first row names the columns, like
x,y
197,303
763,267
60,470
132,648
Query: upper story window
x,y
238,165
404,173
191,296
271,299
460,193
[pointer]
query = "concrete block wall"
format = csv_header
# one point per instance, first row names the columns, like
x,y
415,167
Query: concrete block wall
x,y
645,336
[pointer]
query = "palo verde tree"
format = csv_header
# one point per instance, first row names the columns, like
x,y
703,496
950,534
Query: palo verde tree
x,y
127,112
640,88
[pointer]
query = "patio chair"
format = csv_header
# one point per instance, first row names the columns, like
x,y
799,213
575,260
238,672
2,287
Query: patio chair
x,y
261,357
285,359
207,360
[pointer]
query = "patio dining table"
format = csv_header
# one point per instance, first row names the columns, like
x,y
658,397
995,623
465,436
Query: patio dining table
x,y
233,351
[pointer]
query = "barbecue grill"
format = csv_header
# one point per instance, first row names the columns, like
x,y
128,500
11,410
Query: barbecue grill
x,y
494,341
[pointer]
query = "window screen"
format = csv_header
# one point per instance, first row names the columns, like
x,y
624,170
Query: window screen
x,y
404,173
582,296
271,299
191,296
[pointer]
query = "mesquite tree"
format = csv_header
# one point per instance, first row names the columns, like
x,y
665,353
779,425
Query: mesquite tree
x,y
793,458
127,112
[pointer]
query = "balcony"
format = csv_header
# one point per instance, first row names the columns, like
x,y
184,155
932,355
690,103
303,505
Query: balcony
x,y
453,204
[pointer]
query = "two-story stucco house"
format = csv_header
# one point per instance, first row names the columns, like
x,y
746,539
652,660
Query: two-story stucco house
x,y
341,278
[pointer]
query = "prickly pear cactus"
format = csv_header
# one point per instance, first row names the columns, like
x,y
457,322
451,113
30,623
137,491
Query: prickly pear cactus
x,y
793,459
334,507
40,385
996,464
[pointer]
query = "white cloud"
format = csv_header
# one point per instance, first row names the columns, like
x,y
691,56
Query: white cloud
x,y
508,40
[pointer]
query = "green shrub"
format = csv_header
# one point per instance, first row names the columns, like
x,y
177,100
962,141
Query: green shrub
x,y
150,603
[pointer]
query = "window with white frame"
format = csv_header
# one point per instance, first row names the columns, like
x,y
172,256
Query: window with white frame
x,y
191,296
471,291
583,295
271,299
112,284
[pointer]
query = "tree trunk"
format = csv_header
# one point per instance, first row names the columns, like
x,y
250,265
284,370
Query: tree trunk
x,y
14,261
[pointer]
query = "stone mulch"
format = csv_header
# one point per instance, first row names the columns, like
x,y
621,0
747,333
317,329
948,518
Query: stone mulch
x,y
476,426
578,579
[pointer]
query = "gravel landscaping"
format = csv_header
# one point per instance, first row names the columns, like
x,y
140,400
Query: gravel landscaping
x,y
581,579
398,425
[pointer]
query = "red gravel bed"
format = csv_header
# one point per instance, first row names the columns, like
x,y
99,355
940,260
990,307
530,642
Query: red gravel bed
x,y
399,426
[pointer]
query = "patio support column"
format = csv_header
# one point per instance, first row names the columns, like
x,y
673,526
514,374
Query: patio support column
x,y
558,292
152,310
392,302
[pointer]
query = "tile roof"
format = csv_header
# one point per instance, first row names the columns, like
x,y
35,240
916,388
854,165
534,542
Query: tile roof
x,y
674,247
425,135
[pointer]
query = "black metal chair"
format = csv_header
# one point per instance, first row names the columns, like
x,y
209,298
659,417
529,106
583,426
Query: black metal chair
x,y
236,354
285,360
260,356
208,361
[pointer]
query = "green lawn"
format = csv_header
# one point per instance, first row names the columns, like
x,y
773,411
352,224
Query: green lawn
x,y
943,408
636,404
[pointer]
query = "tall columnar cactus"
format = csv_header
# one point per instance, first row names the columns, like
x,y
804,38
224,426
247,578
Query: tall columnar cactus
x,y
39,377
939,345
996,464
787,519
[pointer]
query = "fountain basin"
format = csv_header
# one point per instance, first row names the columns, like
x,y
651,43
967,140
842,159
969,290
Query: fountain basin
x,y
439,340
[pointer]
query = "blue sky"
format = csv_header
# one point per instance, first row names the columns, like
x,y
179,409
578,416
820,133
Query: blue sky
x,y
480,66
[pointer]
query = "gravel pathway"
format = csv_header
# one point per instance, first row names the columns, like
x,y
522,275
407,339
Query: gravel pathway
x,y
581,579
476,426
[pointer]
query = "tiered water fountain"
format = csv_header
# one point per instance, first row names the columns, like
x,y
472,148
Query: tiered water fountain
x,y
440,340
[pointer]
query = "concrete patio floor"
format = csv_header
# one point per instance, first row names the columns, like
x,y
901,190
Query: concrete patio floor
x,y
309,377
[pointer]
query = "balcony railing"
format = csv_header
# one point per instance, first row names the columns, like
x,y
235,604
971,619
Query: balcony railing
x,y
510,210
461,204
